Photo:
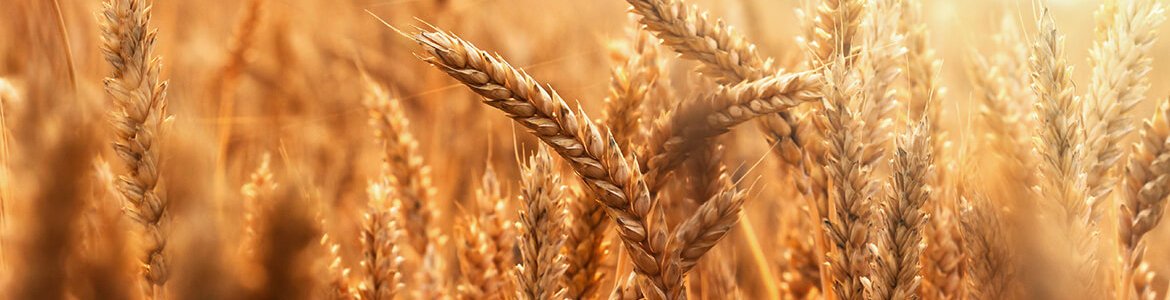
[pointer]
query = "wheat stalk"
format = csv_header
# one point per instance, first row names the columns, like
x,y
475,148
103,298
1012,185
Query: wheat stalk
x,y
139,119
541,263
895,269
1147,184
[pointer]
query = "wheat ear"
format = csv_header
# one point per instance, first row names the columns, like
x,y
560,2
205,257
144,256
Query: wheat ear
x,y
586,248
1121,64
487,243
693,125
895,271
998,91
1059,143
139,118
1147,184
633,80
380,237
833,31
725,55
702,230
260,186
595,159
409,175
541,235
852,188
338,286
990,260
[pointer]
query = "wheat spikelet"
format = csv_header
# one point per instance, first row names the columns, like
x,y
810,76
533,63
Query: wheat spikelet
x,y
1147,184
597,161
1121,62
633,80
409,175
139,119
541,236
883,53
1059,143
895,271
380,236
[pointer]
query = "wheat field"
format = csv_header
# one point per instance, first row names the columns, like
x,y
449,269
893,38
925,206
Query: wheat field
x,y
603,149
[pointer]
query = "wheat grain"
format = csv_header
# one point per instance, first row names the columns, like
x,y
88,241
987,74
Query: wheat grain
x,y
139,121
338,286
944,258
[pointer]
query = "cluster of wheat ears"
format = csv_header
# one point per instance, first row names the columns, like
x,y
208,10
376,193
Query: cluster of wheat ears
x,y
277,191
